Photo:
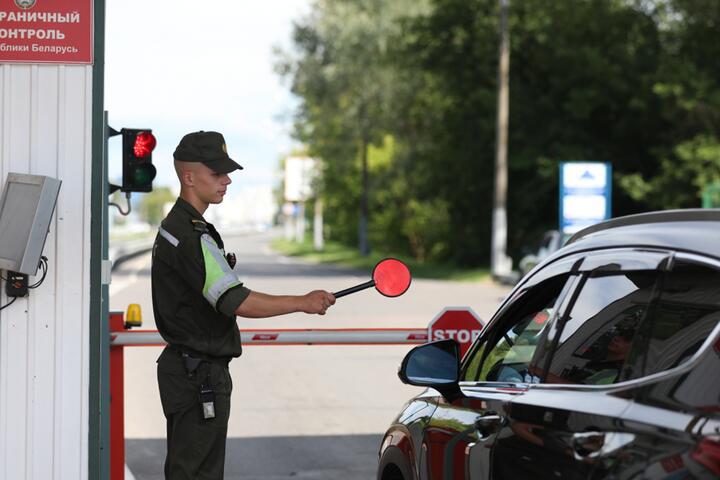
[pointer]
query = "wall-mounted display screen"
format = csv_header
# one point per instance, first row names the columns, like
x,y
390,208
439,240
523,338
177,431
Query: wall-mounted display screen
x,y
26,207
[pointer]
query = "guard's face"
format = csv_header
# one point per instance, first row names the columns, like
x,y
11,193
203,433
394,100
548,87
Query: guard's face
x,y
210,186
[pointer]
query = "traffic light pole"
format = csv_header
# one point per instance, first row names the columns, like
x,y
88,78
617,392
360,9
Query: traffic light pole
x,y
111,132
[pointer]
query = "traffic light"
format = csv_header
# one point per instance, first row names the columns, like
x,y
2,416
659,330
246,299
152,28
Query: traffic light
x,y
138,170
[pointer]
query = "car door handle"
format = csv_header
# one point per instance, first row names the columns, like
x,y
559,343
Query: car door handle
x,y
588,445
489,424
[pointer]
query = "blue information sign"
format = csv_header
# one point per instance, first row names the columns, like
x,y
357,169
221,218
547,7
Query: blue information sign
x,y
585,194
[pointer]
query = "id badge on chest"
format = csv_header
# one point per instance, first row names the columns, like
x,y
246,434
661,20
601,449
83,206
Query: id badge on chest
x,y
207,401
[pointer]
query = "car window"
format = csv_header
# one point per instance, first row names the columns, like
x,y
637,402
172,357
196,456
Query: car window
x,y
687,311
596,339
506,352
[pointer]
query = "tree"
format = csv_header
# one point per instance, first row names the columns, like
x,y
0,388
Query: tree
x,y
341,75
687,87
406,92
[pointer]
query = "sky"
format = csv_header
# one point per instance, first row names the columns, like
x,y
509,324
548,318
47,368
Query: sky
x,y
183,66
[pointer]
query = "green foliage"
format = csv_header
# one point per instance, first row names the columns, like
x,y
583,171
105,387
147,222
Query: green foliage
x,y
151,205
683,176
427,228
687,157
413,85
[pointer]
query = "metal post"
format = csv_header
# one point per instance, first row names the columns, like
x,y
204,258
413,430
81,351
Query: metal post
x,y
117,400
97,454
501,265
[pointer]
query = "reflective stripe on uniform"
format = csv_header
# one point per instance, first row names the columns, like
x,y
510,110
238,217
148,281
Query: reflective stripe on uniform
x,y
219,277
169,237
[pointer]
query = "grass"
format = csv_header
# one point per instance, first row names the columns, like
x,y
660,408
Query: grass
x,y
338,254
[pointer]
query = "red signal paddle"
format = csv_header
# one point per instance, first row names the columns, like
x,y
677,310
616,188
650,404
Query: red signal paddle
x,y
390,277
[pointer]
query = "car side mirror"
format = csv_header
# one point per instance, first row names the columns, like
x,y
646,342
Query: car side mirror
x,y
435,365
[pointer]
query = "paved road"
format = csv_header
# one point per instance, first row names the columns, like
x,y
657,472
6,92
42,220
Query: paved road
x,y
311,412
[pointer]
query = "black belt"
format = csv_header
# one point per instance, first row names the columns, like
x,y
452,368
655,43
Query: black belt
x,y
189,352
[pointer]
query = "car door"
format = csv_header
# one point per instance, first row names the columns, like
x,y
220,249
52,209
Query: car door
x,y
674,420
459,437
564,425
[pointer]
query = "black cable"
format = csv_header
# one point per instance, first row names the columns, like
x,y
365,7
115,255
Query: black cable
x,y
9,303
129,205
44,265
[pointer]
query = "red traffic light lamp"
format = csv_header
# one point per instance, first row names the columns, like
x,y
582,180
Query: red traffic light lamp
x,y
144,144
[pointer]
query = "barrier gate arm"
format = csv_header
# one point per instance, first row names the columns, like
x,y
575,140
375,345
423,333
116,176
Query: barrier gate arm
x,y
308,336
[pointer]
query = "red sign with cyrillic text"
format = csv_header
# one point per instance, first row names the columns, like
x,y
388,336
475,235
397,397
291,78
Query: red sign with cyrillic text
x,y
46,31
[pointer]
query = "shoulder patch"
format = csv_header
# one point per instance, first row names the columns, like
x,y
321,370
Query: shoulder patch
x,y
169,237
199,226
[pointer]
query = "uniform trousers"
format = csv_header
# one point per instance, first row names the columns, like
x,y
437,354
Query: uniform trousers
x,y
195,445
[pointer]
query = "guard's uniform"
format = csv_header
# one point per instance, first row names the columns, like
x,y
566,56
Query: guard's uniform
x,y
195,293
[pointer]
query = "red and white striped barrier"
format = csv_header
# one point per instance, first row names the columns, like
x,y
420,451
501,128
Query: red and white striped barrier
x,y
325,336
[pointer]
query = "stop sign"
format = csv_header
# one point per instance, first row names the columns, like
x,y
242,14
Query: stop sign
x,y
458,323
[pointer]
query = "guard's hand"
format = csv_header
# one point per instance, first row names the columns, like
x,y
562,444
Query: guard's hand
x,y
318,301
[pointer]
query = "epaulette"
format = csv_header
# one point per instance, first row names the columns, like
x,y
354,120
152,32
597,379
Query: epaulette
x,y
199,226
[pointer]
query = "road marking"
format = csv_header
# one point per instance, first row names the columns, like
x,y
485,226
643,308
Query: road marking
x,y
128,473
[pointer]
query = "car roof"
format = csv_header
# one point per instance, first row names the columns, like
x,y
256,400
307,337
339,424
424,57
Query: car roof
x,y
693,230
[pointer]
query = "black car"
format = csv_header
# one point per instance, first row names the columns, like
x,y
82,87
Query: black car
x,y
603,362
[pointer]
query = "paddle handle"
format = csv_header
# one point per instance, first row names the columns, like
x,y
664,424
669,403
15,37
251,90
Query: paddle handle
x,y
354,289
